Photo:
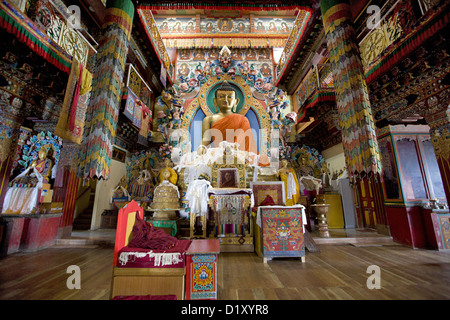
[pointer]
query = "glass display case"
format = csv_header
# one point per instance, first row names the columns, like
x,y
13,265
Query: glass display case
x,y
410,168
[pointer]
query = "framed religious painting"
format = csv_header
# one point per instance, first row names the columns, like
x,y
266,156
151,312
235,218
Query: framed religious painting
x,y
228,173
274,189
228,178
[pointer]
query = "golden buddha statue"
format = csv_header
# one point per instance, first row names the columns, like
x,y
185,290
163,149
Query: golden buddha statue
x,y
168,173
226,124
42,165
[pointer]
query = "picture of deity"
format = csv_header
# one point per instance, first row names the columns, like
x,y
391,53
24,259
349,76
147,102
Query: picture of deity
x,y
213,54
225,25
272,27
236,54
250,54
199,55
209,28
177,27
183,70
190,27
260,27
265,70
264,54
164,27
185,54
240,27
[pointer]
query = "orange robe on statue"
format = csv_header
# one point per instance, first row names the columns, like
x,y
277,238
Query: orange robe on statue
x,y
239,131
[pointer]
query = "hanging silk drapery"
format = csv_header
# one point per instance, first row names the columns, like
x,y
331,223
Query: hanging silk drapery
x,y
229,212
101,121
352,100
71,121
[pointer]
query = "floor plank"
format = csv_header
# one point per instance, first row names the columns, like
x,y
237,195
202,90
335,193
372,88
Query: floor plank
x,y
338,272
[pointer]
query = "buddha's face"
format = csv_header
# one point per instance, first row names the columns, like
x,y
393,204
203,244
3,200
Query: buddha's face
x,y
225,100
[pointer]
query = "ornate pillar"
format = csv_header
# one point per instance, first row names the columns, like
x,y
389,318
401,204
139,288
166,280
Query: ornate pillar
x,y
101,120
358,131
352,100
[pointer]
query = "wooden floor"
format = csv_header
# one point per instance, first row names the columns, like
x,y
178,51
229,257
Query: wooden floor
x,y
337,272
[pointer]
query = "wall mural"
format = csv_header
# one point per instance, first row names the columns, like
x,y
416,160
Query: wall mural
x,y
224,25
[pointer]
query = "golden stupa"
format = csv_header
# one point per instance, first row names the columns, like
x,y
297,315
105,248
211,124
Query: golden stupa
x,y
166,197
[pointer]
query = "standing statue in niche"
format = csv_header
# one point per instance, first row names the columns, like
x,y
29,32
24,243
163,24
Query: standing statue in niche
x,y
226,125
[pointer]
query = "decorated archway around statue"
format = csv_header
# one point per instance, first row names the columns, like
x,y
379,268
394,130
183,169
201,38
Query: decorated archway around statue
x,y
202,105
46,141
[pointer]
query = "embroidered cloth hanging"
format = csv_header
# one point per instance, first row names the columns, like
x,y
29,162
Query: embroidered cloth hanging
x,y
229,213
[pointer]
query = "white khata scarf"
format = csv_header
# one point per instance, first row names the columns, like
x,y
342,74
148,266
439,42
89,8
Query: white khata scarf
x,y
161,259
291,189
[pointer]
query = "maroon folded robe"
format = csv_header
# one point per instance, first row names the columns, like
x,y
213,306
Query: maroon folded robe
x,y
146,236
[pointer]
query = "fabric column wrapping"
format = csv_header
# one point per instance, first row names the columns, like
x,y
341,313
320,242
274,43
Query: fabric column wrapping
x,y
102,120
352,99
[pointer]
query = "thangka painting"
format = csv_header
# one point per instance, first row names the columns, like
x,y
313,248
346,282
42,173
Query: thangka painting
x,y
129,105
282,234
229,214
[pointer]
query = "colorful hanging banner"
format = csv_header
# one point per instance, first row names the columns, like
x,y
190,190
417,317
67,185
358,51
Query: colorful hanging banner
x,y
71,121
104,108
352,100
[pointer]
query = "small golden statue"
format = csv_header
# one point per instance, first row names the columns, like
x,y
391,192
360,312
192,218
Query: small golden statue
x,y
42,165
